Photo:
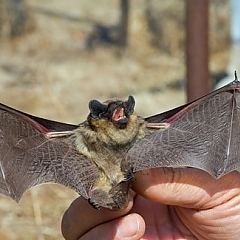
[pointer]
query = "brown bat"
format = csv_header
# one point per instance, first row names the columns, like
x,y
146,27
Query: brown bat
x,y
98,158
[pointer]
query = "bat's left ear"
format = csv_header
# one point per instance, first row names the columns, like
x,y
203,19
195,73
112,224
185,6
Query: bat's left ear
x,y
129,105
97,109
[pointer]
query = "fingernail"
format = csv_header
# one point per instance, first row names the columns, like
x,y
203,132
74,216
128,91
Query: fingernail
x,y
128,227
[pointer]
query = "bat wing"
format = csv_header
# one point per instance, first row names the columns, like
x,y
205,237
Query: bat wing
x,y
28,157
204,134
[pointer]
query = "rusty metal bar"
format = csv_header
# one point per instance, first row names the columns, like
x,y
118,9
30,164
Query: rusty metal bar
x,y
123,38
197,52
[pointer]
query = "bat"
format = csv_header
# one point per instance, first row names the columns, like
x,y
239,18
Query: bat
x,y
99,157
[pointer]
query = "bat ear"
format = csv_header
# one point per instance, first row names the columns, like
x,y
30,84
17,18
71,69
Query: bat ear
x,y
96,109
129,105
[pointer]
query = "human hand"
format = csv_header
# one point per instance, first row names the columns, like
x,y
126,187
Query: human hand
x,y
180,203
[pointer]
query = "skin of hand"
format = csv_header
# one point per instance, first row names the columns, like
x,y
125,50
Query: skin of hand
x,y
170,203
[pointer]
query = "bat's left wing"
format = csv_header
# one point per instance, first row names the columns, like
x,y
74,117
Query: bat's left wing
x,y
29,157
204,134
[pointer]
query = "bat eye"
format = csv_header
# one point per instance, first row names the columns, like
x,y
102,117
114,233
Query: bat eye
x,y
97,109
129,105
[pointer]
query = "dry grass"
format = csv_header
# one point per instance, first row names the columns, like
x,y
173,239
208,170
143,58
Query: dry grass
x,y
50,73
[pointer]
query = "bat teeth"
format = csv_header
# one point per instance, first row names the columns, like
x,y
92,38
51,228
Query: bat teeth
x,y
118,114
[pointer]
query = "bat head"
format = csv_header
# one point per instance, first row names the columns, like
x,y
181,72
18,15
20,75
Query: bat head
x,y
114,123
115,111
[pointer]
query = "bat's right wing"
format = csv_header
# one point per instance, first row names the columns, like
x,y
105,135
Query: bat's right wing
x,y
204,134
28,157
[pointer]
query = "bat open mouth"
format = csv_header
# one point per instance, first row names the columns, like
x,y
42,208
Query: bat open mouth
x,y
118,114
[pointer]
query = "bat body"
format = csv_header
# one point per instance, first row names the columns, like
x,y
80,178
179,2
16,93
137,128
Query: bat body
x,y
98,158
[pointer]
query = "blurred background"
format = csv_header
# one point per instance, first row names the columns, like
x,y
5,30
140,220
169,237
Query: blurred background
x,y
55,56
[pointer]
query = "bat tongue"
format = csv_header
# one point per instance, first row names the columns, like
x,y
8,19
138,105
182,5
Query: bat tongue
x,y
119,115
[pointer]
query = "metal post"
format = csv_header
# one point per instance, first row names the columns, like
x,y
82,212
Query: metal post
x,y
197,52
124,5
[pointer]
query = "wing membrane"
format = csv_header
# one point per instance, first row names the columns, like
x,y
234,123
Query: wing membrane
x,y
204,134
29,158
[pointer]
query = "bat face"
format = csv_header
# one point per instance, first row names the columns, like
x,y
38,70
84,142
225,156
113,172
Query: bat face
x,y
98,158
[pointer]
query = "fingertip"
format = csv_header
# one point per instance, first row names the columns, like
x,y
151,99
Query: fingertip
x,y
131,226
80,217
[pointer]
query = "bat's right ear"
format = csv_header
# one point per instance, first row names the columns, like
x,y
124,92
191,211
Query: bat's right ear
x,y
130,104
97,109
